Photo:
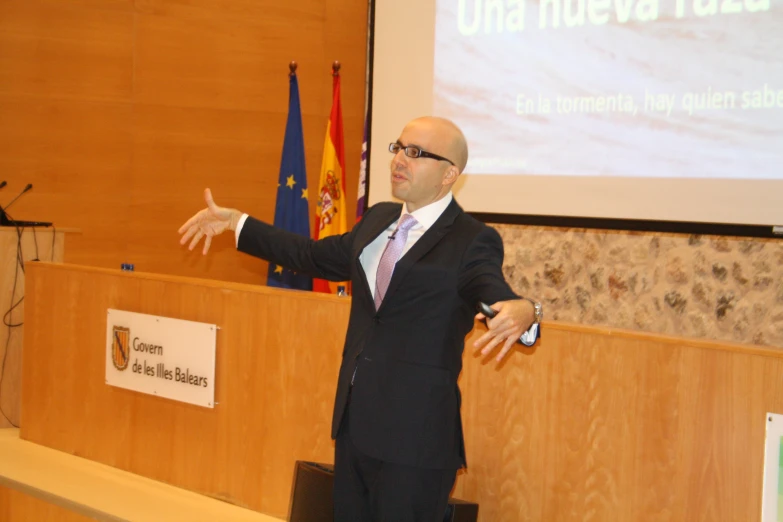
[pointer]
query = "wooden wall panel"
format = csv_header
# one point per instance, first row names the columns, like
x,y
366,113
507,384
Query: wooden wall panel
x,y
216,59
55,51
121,113
76,154
592,424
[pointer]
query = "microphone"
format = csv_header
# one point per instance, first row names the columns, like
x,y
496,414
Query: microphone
x,y
3,184
4,219
28,187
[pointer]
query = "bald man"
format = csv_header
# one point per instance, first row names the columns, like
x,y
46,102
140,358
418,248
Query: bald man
x,y
418,270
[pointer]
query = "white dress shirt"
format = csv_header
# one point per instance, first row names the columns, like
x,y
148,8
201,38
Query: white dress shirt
x,y
426,216
240,224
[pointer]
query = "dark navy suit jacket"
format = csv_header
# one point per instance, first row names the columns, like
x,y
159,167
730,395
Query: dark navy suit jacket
x,y
407,355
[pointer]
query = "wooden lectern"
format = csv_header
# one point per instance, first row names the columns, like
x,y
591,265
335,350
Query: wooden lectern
x,y
27,244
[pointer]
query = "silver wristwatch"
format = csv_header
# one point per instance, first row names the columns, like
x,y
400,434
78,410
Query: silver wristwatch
x,y
538,310
533,334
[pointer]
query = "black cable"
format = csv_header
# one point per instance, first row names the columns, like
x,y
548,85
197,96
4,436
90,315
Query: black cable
x,y
7,347
35,239
20,263
19,254
9,314
7,319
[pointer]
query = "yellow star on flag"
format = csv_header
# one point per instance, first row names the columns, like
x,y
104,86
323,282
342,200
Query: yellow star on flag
x,y
290,181
304,193
278,269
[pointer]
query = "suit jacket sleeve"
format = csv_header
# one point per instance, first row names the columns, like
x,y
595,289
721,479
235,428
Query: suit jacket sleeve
x,y
328,258
481,274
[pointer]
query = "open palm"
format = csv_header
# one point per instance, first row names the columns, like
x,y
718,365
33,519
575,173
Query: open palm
x,y
207,223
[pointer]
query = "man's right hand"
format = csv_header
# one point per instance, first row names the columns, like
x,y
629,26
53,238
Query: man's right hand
x,y
208,223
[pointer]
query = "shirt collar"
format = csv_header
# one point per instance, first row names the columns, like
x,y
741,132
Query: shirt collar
x,y
429,214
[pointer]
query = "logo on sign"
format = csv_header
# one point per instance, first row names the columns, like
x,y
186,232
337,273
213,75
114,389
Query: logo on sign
x,y
121,347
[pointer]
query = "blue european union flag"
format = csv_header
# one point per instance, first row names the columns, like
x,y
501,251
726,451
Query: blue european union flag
x,y
291,209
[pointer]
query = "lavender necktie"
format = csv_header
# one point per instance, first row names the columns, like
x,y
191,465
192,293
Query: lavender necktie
x,y
390,256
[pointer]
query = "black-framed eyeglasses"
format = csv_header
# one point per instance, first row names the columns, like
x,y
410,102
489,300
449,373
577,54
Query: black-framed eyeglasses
x,y
415,152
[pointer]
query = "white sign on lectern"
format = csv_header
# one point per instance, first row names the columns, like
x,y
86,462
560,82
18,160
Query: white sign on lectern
x,y
161,356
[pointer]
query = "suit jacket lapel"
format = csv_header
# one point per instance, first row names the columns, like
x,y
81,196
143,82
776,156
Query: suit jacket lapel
x,y
426,243
374,229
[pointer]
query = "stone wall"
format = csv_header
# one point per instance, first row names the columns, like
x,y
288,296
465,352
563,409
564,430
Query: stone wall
x,y
721,288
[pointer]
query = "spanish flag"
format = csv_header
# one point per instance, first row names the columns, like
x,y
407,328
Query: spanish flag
x,y
330,216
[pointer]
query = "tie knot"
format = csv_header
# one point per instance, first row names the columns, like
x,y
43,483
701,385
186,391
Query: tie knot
x,y
406,222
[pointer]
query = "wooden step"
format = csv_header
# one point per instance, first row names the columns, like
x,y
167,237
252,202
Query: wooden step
x,y
101,492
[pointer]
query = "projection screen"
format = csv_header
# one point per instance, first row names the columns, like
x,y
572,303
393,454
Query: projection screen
x,y
665,110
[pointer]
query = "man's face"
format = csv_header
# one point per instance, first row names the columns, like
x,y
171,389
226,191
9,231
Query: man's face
x,y
420,181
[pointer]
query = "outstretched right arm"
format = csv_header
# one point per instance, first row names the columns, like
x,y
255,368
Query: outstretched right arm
x,y
328,258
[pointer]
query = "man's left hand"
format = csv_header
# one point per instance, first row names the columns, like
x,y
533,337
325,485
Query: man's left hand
x,y
512,320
